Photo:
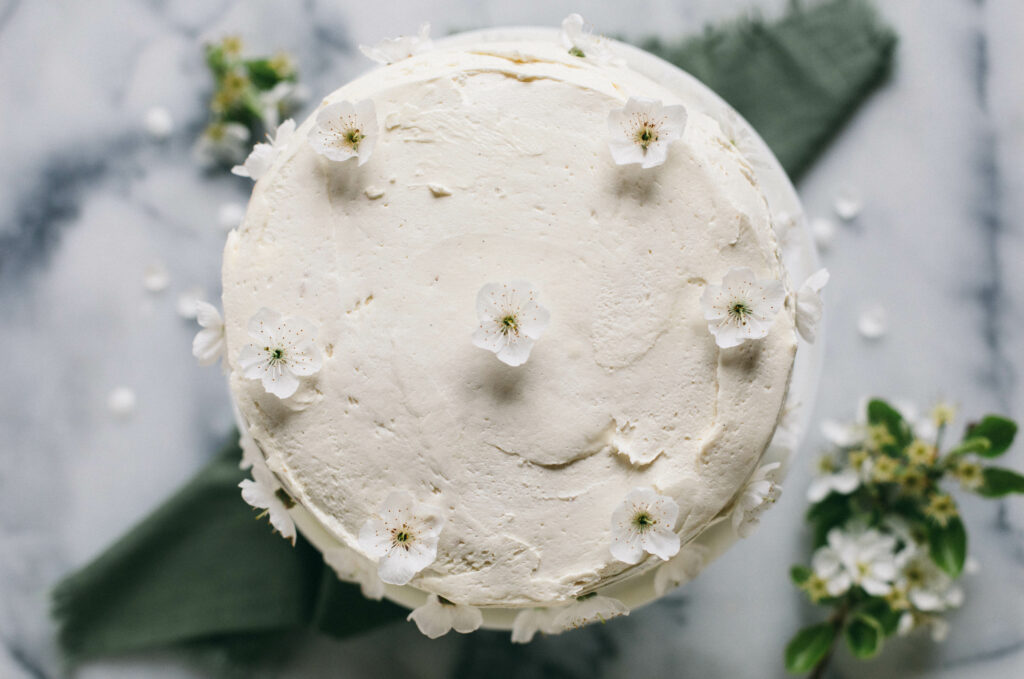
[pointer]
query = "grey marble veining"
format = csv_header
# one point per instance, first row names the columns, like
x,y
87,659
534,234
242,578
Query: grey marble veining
x,y
87,201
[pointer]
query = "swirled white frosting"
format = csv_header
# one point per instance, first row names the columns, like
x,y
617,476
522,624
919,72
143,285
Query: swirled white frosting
x,y
492,165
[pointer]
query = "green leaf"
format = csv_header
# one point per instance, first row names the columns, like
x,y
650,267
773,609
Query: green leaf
x,y
999,482
880,412
833,511
262,73
864,635
880,610
216,60
948,546
799,574
809,646
998,430
975,444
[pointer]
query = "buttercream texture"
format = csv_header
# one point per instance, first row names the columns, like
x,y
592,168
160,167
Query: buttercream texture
x,y
492,164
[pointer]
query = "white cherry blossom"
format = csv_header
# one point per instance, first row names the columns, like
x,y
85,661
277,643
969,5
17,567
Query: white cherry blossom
x,y
345,130
264,153
263,492
403,537
844,482
645,522
928,587
588,609
284,350
809,306
390,50
911,620
759,493
529,621
642,131
848,434
580,41
741,308
511,320
863,557
439,616
680,569
209,346
352,567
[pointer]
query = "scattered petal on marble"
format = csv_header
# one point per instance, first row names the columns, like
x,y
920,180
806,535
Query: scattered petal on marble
x,y
847,202
187,303
121,401
158,123
824,231
156,278
872,322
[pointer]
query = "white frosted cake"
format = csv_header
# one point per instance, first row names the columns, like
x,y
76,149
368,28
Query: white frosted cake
x,y
509,325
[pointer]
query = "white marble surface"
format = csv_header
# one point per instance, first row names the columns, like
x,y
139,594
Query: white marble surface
x,y
87,201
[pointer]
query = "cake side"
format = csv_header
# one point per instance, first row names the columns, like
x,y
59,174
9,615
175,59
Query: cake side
x,y
492,164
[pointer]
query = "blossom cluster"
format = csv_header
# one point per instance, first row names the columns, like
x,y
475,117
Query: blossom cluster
x,y
889,541
252,95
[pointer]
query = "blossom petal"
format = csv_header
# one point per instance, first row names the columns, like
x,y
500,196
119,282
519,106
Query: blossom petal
x,y
305,359
627,547
281,383
433,618
662,543
208,345
809,306
398,567
374,538
534,320
263,325
528,622
466,619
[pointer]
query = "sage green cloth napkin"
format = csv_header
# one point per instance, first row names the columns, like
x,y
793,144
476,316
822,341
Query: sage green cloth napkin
x,y
201,570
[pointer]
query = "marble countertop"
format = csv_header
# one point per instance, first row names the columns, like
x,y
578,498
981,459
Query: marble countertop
x,y
88,201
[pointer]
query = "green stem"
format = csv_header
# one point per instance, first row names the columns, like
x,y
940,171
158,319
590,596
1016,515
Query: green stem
x,y
838,620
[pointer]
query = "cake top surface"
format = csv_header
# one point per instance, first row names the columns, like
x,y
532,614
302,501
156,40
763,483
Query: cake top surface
x,y
492,165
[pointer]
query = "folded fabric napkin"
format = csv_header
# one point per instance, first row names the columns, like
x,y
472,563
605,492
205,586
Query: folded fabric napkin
x,y
201,570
